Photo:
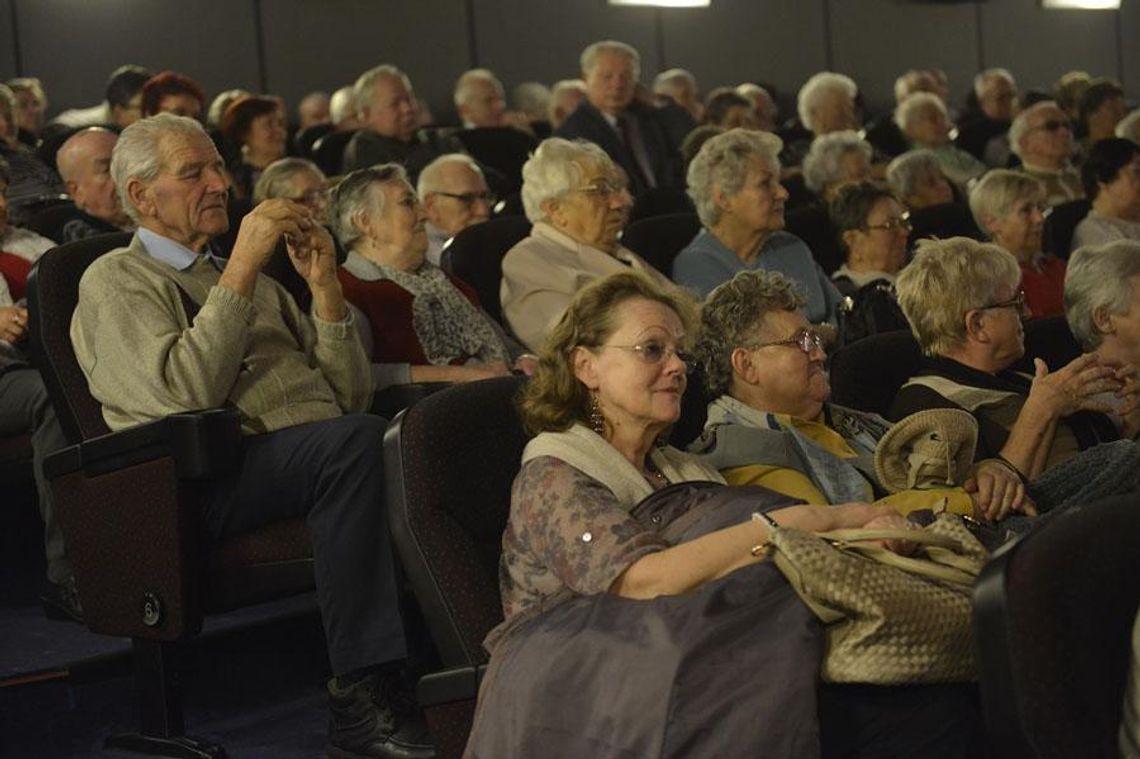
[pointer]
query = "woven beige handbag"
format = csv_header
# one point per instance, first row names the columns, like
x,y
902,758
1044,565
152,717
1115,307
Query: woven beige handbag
x,y
890,619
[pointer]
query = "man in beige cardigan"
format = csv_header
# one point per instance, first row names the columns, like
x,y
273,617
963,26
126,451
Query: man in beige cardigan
x,y
297,382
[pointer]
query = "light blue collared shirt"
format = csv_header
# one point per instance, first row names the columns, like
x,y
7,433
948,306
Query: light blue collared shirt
x,y
174,253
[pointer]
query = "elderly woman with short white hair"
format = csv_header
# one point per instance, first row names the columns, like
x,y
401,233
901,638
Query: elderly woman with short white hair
x,y
836,159
577,199
1102,301
419,316
826,103
735,184
1009,206
917,180
923,118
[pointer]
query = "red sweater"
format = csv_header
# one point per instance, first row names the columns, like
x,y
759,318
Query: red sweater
x,y
389,310
14,269
1044,286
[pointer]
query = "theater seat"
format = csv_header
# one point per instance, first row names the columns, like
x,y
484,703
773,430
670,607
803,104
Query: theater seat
x,y
942,221
450,461
1060,224
504,149
475,255
328,151
1053,616
659,239
128,505
868,373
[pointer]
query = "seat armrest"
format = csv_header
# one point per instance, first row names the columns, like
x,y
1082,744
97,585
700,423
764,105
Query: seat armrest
x,y
204,444
450,685
395,398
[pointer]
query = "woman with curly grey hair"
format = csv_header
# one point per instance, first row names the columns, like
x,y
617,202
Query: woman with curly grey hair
x,y
735,184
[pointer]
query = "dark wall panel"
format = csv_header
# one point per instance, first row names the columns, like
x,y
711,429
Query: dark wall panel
x,y
1128,33
873,41
326,45
780,42
7,41
524,40
72,45
1040,45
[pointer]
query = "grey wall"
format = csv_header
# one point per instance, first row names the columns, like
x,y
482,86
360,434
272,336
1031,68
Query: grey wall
x,y
290,47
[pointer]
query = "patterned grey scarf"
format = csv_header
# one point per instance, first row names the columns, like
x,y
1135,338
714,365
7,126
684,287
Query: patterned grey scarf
x,y
447,325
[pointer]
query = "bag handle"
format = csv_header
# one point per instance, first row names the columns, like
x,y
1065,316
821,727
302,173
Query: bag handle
x,y
918,537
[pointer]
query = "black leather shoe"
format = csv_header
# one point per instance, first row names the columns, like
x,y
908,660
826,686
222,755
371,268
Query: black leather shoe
x,y
361,728
61,601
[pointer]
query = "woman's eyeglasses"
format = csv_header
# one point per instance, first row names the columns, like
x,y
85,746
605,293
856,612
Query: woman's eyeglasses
x,y
656,353
1017,301
807,340
893,224
470,198
1052,125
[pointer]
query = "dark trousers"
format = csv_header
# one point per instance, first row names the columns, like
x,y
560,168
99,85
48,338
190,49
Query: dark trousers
x,y
901,722
25,408
331,473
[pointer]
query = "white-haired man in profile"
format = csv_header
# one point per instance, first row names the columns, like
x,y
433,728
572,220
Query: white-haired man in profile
x,y
983,130
299,383
680,86
633,134
481,102
342,110
764,106
825,104
390,133
455,196
565,97
84,162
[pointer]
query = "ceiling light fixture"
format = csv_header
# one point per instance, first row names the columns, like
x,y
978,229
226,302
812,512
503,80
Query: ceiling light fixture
x,y
665,3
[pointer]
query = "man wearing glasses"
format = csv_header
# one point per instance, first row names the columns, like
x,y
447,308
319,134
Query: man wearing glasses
x,y
455,196
1042,137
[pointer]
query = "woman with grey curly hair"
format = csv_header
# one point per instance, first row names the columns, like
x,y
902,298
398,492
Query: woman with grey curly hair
x,y
735,184
578,200
420,317
917,180
769,422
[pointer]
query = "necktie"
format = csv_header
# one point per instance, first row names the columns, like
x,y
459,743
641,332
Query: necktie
x,y
632,137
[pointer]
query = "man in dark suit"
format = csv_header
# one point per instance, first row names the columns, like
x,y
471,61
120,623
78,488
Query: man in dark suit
x,y
630,132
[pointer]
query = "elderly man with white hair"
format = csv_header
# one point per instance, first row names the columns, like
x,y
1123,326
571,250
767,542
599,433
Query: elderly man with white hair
x,y
632,134
342,110
390,133
825,104
982,132
924,121
680,86
763,103
455,196
565,97
481,101
1042,137
576,197
164,327
84,162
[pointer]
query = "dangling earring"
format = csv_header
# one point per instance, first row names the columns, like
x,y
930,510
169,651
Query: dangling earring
x,y
597,420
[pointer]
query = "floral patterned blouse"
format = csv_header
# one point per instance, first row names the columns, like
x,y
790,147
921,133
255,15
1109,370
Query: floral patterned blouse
x,y
567,532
